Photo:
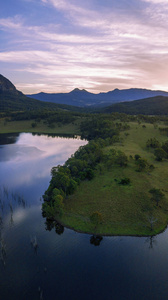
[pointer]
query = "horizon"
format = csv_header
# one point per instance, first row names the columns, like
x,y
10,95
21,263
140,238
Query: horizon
x,y
54,46
95,93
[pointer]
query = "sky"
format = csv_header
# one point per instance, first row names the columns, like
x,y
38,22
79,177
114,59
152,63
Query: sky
x,y
98,45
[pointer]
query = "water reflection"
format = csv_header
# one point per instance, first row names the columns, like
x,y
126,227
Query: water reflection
x,y
52,224
59,229
31,158
34,243
3,251
25,164
151,241
8,138
9,203
35,263
96,240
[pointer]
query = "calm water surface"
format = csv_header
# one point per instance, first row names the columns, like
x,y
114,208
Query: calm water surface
x,y
65,264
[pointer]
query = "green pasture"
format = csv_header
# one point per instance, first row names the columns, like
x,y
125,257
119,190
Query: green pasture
x,y
40,127
125,209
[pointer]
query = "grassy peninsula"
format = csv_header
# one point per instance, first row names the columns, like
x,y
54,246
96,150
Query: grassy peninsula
x,y
117,184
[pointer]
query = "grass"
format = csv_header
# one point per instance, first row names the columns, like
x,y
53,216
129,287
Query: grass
x,y
26,126
125,208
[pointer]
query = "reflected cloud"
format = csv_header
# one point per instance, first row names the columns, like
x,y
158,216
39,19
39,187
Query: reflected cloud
x,y
33,156
19,216
14,153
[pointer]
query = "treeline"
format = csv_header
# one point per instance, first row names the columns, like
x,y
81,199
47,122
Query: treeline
x,y
66,114
81,166
48,117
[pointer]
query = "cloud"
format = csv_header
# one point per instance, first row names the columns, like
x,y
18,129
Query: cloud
x,y
87,43
156,1
11,23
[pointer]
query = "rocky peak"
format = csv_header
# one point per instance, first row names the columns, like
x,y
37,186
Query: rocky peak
x,y
6,85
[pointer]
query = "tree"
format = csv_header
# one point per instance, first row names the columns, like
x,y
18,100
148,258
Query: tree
x,y
157,195
125,181
58,204
51,209
115,157
142,164
60,178
160,154
96,218
121,159
152,221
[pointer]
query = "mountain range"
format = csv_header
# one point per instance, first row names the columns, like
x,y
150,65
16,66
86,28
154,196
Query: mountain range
x,y
83,98
13,100
123,101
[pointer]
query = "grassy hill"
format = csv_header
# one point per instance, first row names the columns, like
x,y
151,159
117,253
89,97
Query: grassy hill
x,y
150,106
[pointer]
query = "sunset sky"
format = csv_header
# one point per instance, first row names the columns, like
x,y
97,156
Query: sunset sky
x,y
97,45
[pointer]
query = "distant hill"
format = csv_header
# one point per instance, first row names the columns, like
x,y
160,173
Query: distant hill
x,y
83,98
13,100
80,100
150,106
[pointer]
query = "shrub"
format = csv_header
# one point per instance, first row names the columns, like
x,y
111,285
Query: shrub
x,y
125,181
137,156
34,124
153,143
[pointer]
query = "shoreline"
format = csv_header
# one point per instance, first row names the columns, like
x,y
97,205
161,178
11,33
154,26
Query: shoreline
x,y
107,234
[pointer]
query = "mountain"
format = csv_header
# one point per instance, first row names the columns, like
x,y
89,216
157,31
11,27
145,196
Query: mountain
x,y
7,86
149,106
83,98
13,100
76,97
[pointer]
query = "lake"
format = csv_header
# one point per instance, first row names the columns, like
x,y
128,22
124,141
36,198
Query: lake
x,y
39,261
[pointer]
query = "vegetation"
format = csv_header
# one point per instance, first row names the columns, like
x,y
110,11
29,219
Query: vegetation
x,y
151,106
157,195
56,122
116,184
15,101
102,191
